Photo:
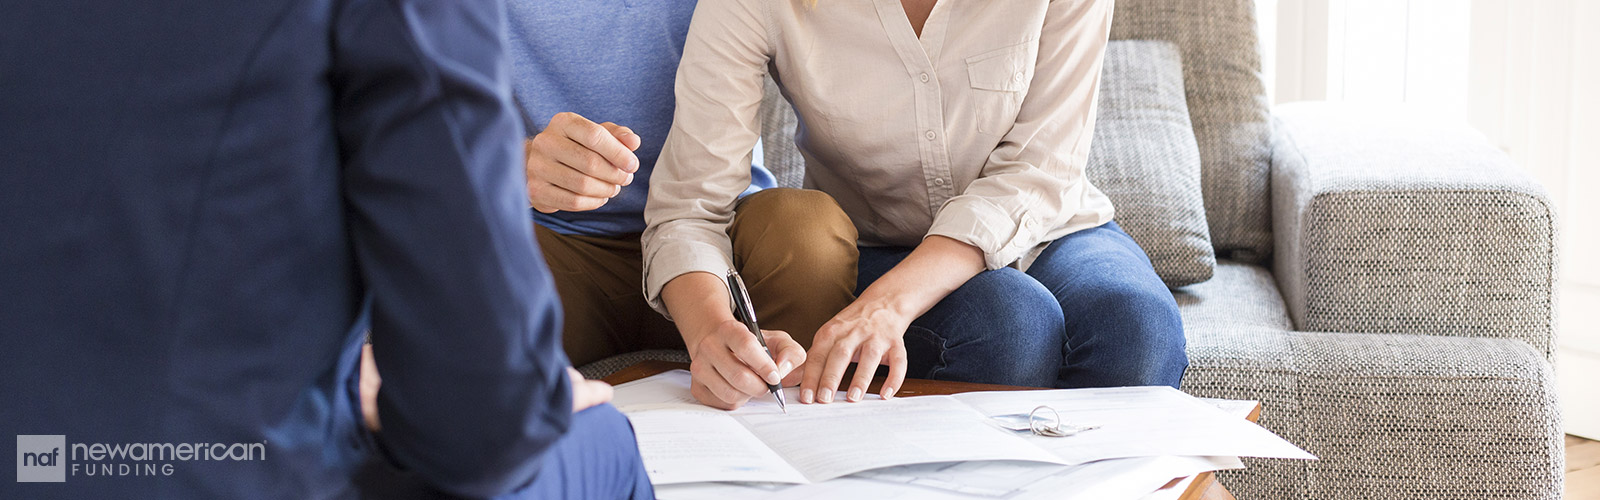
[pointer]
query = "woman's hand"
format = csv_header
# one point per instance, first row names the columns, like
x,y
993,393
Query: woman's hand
x,y
728,366
869,332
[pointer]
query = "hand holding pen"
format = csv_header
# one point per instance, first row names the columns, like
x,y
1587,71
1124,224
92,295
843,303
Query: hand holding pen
x,y
728,365
745,312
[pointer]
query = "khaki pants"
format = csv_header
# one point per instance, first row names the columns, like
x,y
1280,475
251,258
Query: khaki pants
x,y
796,250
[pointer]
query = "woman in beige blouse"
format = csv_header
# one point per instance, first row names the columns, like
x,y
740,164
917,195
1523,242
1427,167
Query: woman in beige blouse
x,y
954,134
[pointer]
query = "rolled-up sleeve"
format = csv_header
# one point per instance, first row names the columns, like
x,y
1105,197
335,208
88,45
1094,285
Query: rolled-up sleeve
x,y
1033,182
465,319
705,163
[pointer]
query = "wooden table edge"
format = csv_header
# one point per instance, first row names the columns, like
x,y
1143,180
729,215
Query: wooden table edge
x,y
1205,485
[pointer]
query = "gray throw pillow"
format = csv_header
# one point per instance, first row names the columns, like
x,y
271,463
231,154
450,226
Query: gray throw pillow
x,y
1145,158
1228,106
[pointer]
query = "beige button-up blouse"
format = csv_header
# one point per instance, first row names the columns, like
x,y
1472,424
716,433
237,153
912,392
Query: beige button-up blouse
x,y
978,130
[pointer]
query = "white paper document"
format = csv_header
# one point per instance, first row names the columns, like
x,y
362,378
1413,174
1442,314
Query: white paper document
x,y
1127,478
1106,479
687,442
695,445
684,442
1138,422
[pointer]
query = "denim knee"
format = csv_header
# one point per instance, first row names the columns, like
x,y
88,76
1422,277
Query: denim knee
x,y
1149,348
1000,327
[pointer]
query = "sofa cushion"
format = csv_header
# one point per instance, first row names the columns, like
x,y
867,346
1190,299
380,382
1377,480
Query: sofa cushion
x,y
1388,416
1145,159
1228,105
778,125
1240,297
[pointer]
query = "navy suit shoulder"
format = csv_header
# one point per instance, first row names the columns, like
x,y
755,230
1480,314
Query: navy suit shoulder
x,y
200,202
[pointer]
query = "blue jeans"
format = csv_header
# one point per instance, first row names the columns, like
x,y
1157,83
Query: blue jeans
x,y
1089,312
596,458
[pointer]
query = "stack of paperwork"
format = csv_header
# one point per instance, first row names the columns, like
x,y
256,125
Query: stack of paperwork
x,y
937,447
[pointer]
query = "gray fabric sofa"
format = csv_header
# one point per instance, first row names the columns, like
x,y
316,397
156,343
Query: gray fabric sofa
x,y
1384,284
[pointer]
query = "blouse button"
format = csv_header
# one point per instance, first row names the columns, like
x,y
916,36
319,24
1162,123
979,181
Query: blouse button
x,y
930,135
1017,77
924,78
938,181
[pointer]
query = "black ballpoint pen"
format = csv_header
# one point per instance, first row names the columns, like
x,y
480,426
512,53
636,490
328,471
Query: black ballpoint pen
x,y
746,313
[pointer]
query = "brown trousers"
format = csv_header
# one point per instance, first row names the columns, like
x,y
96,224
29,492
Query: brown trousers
x,y
796,250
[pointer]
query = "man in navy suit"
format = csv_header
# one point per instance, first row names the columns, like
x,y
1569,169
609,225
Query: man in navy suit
x,y
203,206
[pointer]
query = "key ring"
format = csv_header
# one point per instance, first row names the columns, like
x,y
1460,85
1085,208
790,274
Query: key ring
x,y
1040,426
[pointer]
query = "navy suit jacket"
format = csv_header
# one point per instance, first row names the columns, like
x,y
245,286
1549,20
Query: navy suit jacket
x,y
201,201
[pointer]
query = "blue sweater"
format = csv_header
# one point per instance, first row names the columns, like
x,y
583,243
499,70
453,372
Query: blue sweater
x,y
609,61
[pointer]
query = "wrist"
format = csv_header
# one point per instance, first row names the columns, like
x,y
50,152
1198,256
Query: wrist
x,y
933,271
885,304
698,302
888,297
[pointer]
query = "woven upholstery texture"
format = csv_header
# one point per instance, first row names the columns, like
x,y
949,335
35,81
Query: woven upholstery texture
x,y
778,125
1239,297
1228,105
601,369
1145,159
1389,416
1423,228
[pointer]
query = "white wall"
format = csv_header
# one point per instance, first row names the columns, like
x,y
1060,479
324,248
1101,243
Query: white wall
x,y
1535,72
1526,73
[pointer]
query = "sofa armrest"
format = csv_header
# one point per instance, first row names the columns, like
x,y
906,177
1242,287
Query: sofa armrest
x,y
1386,222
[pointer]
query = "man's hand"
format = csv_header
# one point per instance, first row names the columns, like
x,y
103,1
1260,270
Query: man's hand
x,y
728,366
587,393
368,389
577,165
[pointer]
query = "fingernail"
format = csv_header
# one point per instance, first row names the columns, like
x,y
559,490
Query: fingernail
x,y
826,396
806,396
773,377
888,393
629,180
855,394
618,191
783,368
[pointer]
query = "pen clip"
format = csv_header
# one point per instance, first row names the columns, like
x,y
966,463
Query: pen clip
x,y
743,309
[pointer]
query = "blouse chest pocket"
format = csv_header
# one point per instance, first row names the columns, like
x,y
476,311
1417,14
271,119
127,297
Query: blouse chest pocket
x,y
999,80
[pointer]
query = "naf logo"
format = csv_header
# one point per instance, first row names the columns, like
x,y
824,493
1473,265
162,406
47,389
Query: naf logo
x,y
41,459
